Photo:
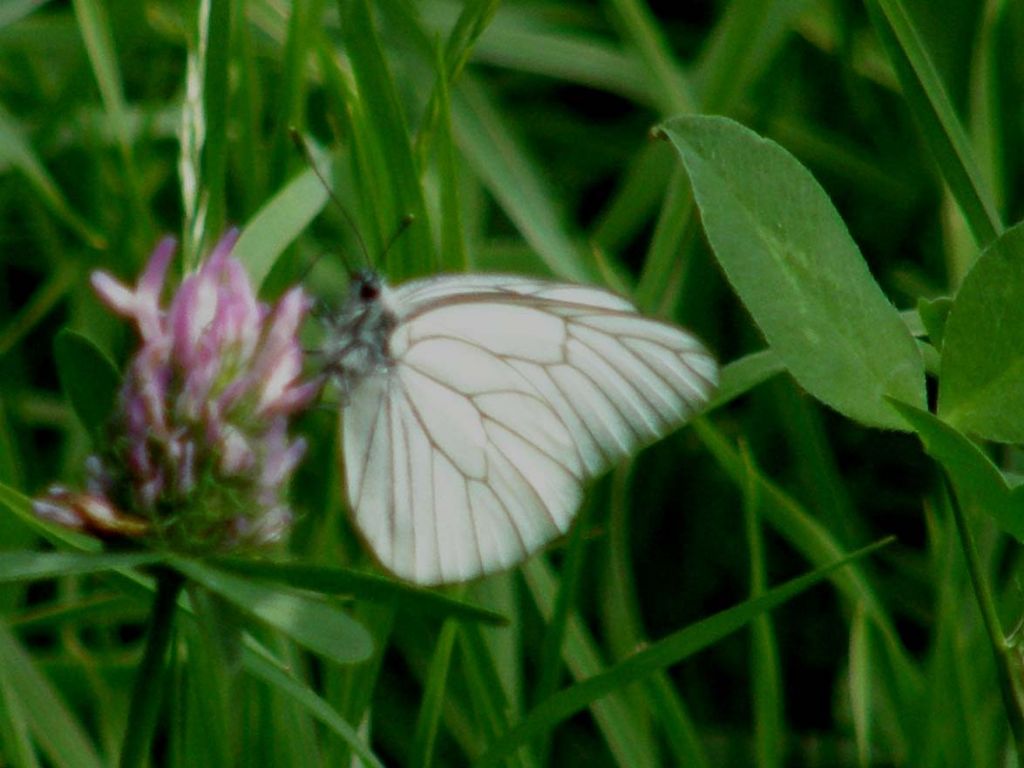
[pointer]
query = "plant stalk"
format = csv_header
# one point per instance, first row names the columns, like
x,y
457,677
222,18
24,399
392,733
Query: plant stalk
x,y
147,693
1005,666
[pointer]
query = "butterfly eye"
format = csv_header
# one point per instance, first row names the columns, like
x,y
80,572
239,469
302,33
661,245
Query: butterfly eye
x,y
369,291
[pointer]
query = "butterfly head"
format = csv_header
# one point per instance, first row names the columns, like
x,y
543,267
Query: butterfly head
x,y
356,343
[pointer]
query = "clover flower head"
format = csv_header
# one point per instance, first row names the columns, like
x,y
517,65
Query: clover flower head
x,y
198,448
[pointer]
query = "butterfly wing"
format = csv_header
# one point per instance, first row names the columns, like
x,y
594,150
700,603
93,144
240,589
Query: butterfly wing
x,y
471,451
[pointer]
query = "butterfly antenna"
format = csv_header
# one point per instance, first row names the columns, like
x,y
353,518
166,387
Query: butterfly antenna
x,y
403,225
301,145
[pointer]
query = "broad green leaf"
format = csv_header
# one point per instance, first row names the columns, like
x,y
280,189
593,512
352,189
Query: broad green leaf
x,y
88,378
29,566
313,623
664,653
364,586
791,260
978,481
933,314
982,386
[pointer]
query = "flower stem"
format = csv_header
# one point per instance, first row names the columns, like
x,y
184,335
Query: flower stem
x,y
148,691
1005,663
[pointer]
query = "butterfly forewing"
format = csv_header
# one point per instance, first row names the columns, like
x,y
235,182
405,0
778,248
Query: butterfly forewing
x,y
503,396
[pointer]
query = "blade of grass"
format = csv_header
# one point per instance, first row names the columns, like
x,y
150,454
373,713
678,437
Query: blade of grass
x,y
509,173
860,674
639,26
99,45
278,223
453,256
303,23
620,609
365,586
550,662
313,623
930,104
214,50
817,544
262,666
15,10
741,376
613,716
255,658
414,254
16,150
573,55
488,694
432,700
671,650
15,731
32,566
59,735
1006,656
769,735
471,23
43,300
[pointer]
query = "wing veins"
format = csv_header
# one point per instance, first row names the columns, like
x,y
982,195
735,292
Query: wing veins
x,y
536,493
366,462
430,438
528,441
627,381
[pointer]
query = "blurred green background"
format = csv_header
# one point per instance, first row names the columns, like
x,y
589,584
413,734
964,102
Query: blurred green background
x,y
108,109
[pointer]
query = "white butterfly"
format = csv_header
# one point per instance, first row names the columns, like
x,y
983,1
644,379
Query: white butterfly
x,y
476,406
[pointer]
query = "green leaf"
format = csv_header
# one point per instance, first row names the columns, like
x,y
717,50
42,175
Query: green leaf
x,y
490,146
433,698
364,586
933,314
978,481
270,671
741,376
791,260
59,735
929,102
89,379
386,130
982,386
29,566
20,506
311,622
16,150
671,650
276,225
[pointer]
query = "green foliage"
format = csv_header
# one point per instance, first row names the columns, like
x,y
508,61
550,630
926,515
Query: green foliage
x,y
93,395
982,389
791,260
827,163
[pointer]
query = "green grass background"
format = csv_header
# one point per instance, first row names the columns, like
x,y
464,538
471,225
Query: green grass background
x,y
519,135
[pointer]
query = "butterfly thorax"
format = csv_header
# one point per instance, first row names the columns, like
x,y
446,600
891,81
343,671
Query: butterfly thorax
x,y
356,343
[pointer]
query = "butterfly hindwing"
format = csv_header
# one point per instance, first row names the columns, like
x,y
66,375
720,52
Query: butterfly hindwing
x,y
505,394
